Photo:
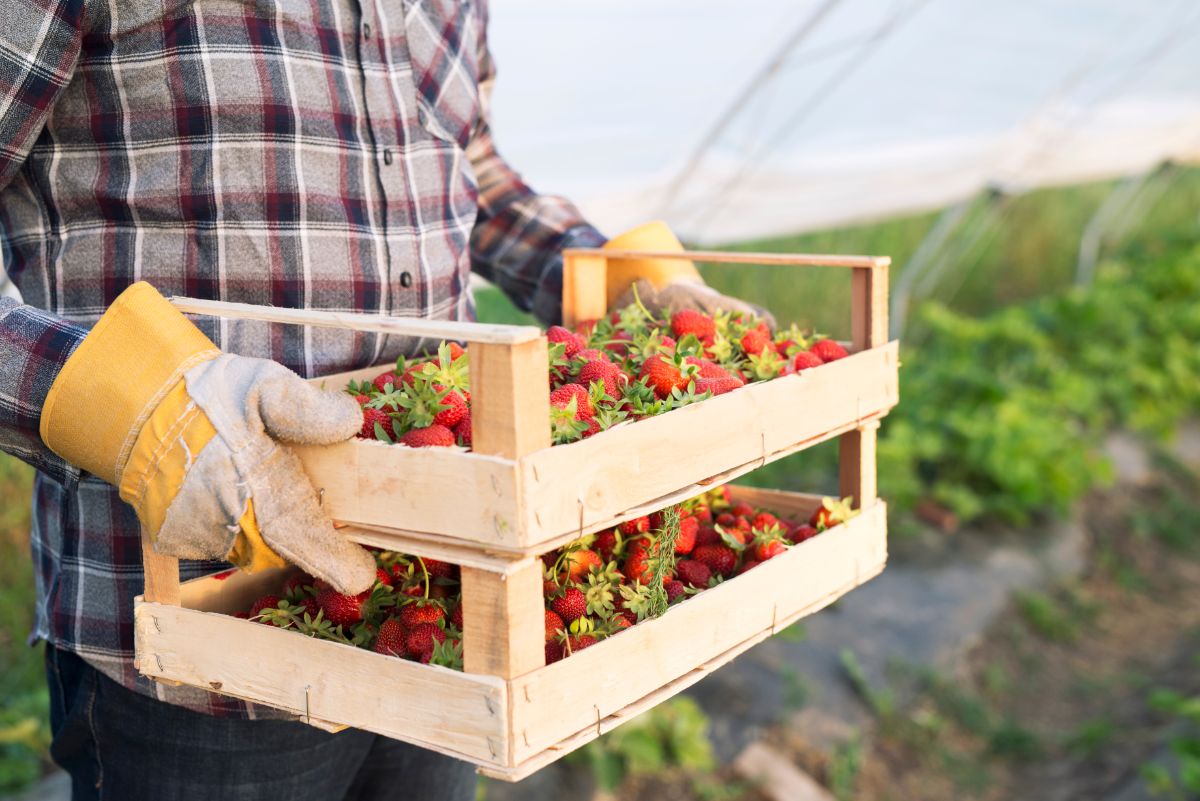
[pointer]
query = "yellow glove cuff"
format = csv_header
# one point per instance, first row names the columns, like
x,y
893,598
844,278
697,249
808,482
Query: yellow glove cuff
x,y
659,272
114,381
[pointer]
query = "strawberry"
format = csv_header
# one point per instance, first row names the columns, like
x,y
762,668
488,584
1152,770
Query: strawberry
x,y
383,577
422,637
636,568
832,512
342,610
742,509
749,564
756,340
707,535
554,652
675,590
571,605
456,350
453,409
764,520
578,563
767,549
265,602
805,360
693,573
585,327
554,626
578,643
572,341
718,558
433,436
391,637
456,617
372,418
828,350
562,396
603,372
636,526
414,614
297,585
688,528
382,381
589,355
462,431
663,376
605,543
696,323
726,519
617,344
437,569
719,386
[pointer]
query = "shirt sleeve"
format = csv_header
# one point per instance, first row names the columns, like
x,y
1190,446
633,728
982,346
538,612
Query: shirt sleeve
x,y
519,235
39,47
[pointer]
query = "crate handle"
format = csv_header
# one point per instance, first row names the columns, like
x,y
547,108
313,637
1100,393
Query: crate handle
x,y
482,333
585,272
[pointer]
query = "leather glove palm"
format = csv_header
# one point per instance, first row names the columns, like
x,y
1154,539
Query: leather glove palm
x,y
194,441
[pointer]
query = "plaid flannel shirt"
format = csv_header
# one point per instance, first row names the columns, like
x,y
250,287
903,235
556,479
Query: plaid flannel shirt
x,y
323,154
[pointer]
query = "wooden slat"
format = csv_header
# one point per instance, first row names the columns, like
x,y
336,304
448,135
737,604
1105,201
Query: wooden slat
x,y
503,628
585,288
510,398
723,257
455,713
856,464
869,307
370,482
161,574
635,663
581,486
378,323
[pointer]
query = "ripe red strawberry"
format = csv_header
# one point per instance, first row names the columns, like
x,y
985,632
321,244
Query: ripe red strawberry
x,y
563,396
719,386
573,342
693,573
382,381
742,509
831,512
688,528
605,543
622,622
805,360
370,418
463,430
616,344
391,637
696,323
802,533
612,377
589,355
438,569
421,638
592,429
453,409
456,617
578,643
341,610
571,605
768,549
764,520
636,526
636,568
703,514
414,614
585,327
707,535
554,652
456,350
828,351
749,564
297,584
554,626
662,376
435,436
265,602
578,563
383,577
756,340
675,589
719,558
726,519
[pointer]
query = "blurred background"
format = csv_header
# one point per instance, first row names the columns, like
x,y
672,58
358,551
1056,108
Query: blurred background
x,y
1032,169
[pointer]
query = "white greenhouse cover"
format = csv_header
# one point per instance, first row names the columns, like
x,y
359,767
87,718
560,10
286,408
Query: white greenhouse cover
x,y
734,120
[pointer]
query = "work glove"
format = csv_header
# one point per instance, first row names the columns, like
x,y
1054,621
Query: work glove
x,y
193,440
664,286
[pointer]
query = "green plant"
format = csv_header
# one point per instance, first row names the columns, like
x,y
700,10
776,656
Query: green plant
x,y
1182,780
673,735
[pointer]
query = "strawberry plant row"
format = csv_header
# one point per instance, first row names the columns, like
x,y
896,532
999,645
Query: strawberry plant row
x,y
508,727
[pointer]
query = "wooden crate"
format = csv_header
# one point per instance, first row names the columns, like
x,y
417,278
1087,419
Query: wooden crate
x,y
515,497
509,727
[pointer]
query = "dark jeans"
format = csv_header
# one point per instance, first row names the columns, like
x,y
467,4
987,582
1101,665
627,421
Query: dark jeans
x,y
121,746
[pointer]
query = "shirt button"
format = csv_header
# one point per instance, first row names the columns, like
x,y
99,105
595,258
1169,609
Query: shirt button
x,y
366,30
387,156
406,279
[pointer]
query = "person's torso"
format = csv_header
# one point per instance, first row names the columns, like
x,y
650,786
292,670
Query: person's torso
x,y
300,153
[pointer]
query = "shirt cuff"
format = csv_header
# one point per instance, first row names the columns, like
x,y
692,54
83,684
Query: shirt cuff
x,y
547,301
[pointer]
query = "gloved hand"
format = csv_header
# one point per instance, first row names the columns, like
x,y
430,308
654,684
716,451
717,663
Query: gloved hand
x,y
192,439
666,285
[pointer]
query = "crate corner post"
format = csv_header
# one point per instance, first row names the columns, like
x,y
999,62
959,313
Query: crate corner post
x,y
585,286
